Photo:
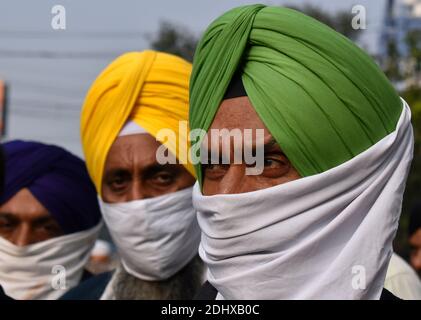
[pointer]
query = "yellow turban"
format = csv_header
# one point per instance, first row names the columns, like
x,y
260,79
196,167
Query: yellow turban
x,y
150,88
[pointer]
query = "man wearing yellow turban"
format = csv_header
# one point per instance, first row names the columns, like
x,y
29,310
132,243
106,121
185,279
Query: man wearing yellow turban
x,y
146,204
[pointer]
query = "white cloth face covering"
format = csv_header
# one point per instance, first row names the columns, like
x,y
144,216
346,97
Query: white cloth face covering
x,y
326,236
45,270
155,237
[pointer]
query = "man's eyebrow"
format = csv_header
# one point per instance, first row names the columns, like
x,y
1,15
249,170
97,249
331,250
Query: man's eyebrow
x,y
45,219
117,170
271,144
7,215
156,167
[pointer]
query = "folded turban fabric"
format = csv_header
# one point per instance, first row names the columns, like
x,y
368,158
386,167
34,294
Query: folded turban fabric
x,y
149,88
322,98
56,178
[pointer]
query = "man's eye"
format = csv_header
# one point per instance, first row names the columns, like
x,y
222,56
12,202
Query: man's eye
x,y
118,182
163,179
6,225
273,163
275,166
213,167
50,227
49,230
214,171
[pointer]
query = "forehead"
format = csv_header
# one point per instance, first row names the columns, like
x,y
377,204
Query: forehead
x,y
25,204
137,149
237,113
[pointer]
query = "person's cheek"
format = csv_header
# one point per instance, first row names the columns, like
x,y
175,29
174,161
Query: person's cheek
x,y
209,187
416,260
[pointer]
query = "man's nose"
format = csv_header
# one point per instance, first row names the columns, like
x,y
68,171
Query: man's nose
x,y
232,180
137,192
22,236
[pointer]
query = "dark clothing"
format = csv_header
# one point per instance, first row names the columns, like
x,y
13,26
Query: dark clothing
x,y
91,289
208,292
387,295
3,296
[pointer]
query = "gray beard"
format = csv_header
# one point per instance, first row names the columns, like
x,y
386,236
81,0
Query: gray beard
x,y
183,285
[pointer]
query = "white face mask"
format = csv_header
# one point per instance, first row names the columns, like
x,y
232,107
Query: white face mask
x,y
45,270
155,237
327,236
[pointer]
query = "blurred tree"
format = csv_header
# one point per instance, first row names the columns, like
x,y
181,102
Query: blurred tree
x,y
412,96
413,43
340,20
175,39
391,64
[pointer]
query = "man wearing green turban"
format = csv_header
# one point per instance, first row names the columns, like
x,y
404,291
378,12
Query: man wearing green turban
x,y
317,221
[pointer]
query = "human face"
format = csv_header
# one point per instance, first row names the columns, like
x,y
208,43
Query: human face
x,y
415,256
133,173
231,178
24,220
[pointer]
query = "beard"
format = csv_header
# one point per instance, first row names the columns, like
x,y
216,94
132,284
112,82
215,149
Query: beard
x,y
183,285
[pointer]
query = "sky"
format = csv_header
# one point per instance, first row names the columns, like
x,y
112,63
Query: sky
x,y
49,71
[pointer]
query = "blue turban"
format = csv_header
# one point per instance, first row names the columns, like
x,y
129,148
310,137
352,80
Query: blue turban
x,y
57,178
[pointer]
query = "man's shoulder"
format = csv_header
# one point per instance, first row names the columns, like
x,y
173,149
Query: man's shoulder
x,y
91,289
398,266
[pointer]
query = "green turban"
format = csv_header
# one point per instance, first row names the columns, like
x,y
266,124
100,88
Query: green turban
x,y
323,99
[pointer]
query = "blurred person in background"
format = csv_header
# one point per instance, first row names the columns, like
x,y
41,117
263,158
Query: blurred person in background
x,y
3,296
49,221
414,232
402,280
102,258
146,205
317,219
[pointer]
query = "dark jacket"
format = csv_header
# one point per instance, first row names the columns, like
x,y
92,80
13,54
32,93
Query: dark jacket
x,y
3,296
91,289
208,292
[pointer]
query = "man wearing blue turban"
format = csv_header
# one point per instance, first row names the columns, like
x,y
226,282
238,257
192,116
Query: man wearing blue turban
x,y
49,221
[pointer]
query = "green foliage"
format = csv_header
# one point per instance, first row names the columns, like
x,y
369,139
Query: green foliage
x,y
175,39
339,21
178,40
391,68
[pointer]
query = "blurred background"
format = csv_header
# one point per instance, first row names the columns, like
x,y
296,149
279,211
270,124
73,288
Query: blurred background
x,y
45,73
